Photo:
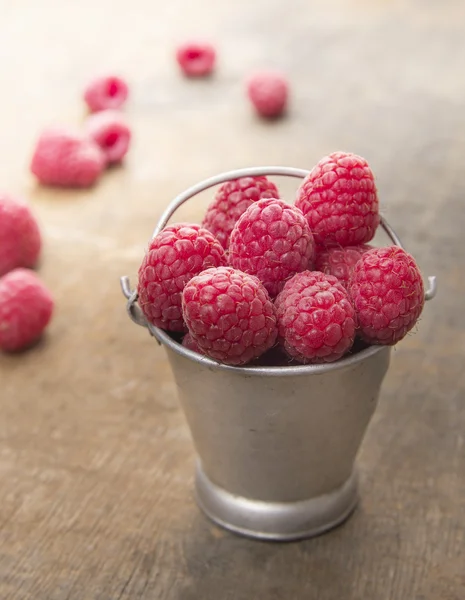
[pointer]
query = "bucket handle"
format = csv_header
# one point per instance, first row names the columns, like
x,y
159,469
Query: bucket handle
x,y
133,308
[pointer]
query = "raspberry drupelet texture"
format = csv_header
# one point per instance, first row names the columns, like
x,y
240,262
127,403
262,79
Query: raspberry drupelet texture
x,y
175,255
232,199
107,92
271,240
230,315
26,307
340,201
268,91
64,158
196,59
388,294
316,319
340,262
20,239
109,130
189,343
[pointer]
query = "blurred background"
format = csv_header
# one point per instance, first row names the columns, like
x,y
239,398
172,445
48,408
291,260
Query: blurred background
x,y
95,456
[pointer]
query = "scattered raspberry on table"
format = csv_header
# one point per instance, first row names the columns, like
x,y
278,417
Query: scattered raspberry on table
x,y
106,92
26,307
232,199
388,294
196,59
20,239
268,91
230,315
67,159
340,200
175,255
340,262
271,240
316,319
109,130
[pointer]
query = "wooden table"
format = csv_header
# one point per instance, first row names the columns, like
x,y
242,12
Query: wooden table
x,y
96,462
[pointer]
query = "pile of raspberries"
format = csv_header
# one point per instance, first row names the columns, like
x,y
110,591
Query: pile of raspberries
x,y
260,275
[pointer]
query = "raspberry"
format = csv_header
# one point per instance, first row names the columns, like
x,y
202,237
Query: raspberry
x,y
196,59
340,262
387,291
111,133
230,315
108,92
189,343
272,241
26,308
232,199
20,240
316,319
62,158
175,255
340,200
268,91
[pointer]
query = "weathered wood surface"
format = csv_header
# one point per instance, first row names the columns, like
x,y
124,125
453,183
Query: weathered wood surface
x,y
95,458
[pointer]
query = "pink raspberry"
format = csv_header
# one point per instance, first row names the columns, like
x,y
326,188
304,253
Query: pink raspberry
x,y
108,92
26,308
316,319
387,291
272,241
340,262
189,343
340,200
63,158
230,315
196,59
175,255
20,239
109,130
268,91
232,199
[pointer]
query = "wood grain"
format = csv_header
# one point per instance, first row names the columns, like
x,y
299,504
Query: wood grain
x,y
95,458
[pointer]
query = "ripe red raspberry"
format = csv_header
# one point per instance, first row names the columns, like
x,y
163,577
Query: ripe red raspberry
x,y
109,130
340,262
316,319
26,308
189,343
272,241
230,315
232,199
175,255
63,158
20,240
196,59
108,92
387,291
340,200
268,91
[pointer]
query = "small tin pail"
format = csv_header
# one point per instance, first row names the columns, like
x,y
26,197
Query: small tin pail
x,y
276,445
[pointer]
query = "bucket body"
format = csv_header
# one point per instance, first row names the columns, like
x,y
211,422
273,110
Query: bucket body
x,y
276,446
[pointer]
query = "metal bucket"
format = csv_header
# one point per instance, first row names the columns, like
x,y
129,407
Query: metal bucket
x,y
276,445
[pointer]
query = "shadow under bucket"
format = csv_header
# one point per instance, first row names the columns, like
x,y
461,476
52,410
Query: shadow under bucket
x,y
276,445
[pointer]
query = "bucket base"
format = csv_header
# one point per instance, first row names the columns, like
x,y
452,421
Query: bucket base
x,y
275,521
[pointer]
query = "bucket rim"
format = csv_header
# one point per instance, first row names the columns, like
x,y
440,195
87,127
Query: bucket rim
x,y
350,360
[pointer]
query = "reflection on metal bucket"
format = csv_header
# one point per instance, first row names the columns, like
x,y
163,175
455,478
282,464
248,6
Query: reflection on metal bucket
x,y
276,445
